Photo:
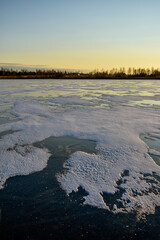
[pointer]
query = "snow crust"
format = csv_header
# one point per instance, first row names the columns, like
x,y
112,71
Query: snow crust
x,y
116,131
21,161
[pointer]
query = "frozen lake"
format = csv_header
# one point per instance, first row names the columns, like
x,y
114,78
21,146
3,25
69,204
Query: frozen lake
x,y
106,133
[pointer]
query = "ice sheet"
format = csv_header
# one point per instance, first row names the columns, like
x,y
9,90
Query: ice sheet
x,y
116,131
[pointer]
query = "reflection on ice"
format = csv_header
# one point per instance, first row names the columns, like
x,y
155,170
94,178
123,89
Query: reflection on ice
x,y
154,146
91,90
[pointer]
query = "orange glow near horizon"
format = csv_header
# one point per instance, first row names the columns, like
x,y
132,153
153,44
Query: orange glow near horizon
x,y
87,60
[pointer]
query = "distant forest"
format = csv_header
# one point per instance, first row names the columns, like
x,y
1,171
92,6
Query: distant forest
x,y
122,73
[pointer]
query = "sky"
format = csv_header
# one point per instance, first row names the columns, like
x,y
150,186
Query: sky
x,y
86,34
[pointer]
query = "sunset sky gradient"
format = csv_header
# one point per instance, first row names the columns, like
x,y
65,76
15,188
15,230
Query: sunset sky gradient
x,y
84,34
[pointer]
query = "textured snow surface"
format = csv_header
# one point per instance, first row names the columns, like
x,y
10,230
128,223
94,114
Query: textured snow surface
x,y
21,161
122,161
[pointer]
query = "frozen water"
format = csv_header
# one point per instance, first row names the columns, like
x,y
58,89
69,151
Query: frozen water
x,y
81,113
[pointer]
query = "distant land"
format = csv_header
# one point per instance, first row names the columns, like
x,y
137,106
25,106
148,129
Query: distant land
x,y
19,66
42,73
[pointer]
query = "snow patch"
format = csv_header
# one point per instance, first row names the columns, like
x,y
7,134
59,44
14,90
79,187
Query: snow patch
x,y
21,160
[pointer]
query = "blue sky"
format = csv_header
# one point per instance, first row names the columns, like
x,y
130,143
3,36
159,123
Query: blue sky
x,y
84,34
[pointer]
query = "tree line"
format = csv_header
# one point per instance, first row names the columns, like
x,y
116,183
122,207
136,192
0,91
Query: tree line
x,y
122,73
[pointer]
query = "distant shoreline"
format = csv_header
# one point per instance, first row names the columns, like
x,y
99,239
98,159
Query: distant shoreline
x,y
131,73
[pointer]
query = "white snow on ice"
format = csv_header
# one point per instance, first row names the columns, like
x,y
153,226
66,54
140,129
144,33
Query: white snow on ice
x,y
116,131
